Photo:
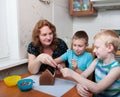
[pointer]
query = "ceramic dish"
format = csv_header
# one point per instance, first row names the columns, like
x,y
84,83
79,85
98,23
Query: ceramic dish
x,y
25,84
12,80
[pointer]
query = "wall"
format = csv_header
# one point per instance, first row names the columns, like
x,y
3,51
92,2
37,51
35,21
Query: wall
x,y
18,70
28,13
63,20
105,20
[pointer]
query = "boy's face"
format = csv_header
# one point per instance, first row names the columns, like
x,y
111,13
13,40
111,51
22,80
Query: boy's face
x,y
100,49
79,46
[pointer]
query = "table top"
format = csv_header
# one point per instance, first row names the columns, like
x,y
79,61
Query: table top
x,y
15,92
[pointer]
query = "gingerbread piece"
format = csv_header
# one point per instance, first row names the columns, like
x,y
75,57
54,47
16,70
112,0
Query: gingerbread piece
x,y
47,77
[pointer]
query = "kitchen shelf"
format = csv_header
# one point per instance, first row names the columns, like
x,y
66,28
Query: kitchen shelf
x,y
79,11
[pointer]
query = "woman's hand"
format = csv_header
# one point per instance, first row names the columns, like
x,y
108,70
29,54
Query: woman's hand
x,y
59,66
82,90
47,59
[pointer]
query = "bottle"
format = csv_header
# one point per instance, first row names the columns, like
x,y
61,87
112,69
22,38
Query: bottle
x,y
85,5
76,5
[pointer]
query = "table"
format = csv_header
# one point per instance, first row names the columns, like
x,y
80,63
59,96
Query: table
x,y
15,92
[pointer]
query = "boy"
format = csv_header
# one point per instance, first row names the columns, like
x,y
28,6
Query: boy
x,y
78,58
107,69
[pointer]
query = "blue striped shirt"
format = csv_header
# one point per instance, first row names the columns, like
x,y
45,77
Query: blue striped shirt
x,y
100,72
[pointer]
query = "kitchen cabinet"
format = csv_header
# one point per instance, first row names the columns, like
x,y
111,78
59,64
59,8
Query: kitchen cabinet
x,y
82,8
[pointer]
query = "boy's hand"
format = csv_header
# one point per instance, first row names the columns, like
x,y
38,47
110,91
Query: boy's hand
x,y
66,72
74,64
82,90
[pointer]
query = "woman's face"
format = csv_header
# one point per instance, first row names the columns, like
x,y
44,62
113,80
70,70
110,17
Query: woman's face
x,y
79,46
46,36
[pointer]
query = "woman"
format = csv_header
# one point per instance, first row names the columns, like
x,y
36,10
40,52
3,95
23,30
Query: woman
x,y
44,47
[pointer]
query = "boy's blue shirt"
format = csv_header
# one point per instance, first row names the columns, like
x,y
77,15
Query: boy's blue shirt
x,y
101,71
83,60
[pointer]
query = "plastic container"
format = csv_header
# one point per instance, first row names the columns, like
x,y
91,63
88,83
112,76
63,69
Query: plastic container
x,y
25,84
12,80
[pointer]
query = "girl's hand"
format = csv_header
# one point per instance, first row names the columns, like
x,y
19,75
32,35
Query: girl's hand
x,y
82,90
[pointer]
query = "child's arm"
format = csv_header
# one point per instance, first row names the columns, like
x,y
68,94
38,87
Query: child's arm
x,y
58,60
90,69
92,86
68,73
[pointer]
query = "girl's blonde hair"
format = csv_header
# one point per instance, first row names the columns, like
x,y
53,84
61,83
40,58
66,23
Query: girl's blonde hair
x,y
109,37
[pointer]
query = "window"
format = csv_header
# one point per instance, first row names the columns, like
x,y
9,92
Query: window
x,y
9,29
3,30
9,35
